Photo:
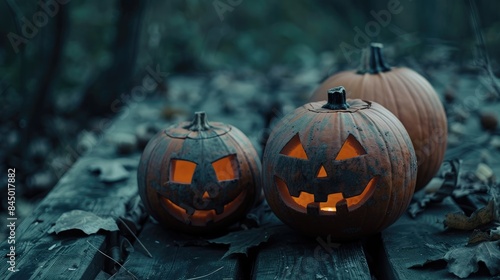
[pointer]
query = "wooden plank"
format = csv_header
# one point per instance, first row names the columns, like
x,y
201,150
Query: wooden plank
x,y
410,241
171,261
40,255
288,255
67,256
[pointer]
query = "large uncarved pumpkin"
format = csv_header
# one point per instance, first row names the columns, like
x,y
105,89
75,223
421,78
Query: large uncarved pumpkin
x,y
407,95
344,170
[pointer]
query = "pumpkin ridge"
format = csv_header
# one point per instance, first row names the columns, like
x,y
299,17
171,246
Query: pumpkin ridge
x,y
234,143
390,122
364,79
227,137
392,96
147,162
369,118
357,134
408,84
407,191
423,111
403,189
236,139
166,157
416,132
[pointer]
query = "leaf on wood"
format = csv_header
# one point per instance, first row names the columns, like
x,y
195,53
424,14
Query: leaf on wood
x,y
480,217
465,260
256,216
135,216
111,171
241,241
85,221
434,252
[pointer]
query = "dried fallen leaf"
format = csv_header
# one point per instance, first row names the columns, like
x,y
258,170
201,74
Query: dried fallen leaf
x,y
433,253
465,260
85,221
478,236
241,241
480,217
115,170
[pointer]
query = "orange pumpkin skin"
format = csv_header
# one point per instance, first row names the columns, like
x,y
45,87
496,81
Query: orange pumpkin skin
x,y
407,95
199,177
344,173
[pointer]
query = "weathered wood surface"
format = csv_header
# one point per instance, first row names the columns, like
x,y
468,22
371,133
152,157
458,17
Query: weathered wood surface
x,y
41,255
410,242
175,258
288,255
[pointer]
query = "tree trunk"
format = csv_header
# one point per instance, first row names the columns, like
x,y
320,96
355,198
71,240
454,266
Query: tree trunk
x,y
116,79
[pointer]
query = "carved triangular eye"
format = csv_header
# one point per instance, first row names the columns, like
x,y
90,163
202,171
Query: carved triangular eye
x,y
350,149
226,168
294,148
182,171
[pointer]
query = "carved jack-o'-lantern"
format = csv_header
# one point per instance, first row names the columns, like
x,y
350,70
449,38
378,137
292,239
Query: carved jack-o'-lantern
x,y
198,176
342,169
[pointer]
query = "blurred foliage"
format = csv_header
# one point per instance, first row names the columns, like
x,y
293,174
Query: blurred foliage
x,y
186,36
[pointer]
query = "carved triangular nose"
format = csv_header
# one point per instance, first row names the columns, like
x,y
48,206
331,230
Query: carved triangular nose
x,y
206,195
321,172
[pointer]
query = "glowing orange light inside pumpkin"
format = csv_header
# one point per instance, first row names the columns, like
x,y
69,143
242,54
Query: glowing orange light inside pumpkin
x,y
182,171
226,168
197,217
294,148
206,195
322,172
300,203
351,148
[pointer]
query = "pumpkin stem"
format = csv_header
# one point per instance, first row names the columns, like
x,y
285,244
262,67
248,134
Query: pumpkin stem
x,y
336,99
372,60
199,123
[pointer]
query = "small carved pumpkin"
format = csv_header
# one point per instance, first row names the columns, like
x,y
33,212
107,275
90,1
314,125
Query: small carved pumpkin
x,y
198,176
407,95
342,169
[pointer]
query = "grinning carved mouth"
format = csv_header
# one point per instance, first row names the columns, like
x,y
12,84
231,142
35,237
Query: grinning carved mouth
x,y
336,202
197,217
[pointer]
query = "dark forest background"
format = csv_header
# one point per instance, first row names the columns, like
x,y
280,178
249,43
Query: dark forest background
x,y
56,85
